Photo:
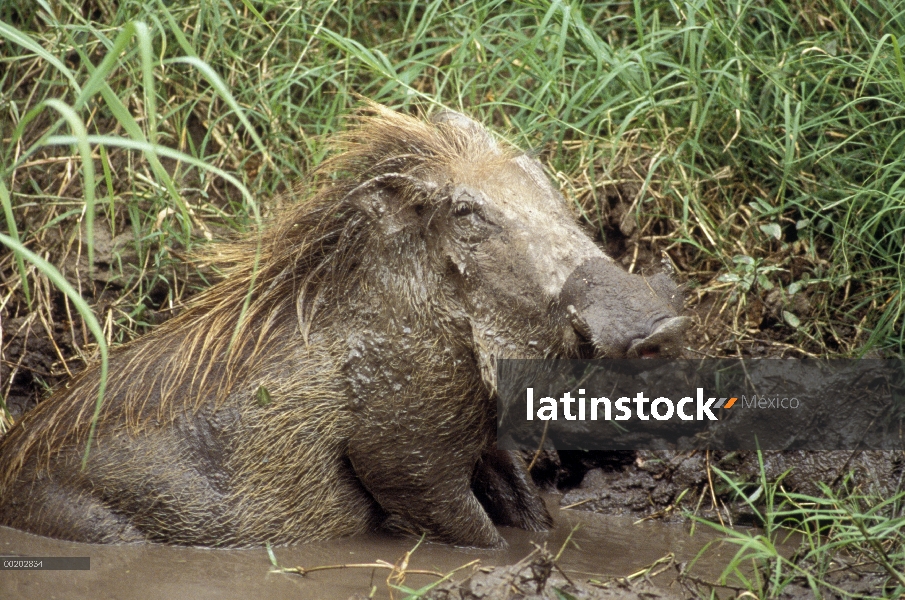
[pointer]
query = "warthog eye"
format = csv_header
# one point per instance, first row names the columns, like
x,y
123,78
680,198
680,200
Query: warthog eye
x,y
463,209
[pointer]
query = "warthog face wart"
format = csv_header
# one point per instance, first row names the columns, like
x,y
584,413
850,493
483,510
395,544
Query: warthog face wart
x,y
355,390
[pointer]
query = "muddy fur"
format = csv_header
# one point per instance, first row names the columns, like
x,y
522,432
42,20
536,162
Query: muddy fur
x,y
372,313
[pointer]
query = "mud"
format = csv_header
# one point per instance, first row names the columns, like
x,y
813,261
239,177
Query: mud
x,y
668,485
538,576
601,551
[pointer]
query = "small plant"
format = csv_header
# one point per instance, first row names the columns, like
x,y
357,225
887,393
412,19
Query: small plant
x,y
845,540
748,272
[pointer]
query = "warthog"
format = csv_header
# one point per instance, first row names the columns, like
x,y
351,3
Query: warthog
x,y
352,388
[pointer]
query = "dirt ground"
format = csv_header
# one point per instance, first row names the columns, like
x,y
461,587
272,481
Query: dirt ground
x,y
537,577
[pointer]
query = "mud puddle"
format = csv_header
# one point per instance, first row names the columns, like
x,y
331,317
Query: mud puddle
x,y
605,547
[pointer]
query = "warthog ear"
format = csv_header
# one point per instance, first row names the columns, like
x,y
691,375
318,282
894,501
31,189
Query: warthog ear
x,y
381,198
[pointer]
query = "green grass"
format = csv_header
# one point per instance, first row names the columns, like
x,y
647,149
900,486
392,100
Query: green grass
x,y
728,129
841,538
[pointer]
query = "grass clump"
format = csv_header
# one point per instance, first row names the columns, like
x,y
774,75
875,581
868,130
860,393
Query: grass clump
x,y
849,544
759,145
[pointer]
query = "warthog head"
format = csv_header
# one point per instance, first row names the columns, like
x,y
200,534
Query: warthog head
x,y
529,279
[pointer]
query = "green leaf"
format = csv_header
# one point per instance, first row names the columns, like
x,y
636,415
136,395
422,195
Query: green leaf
x,y
563,595
263,396
14,35
80,141
791,319
763,282
14,235
772,229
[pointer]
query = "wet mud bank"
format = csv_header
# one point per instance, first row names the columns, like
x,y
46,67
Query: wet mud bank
x,y
669,485
605,557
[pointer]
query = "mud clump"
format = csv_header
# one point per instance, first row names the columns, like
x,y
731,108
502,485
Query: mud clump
x,y
537,577
341,378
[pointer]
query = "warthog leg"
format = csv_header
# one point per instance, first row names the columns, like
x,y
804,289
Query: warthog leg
x,y
419,495
504,487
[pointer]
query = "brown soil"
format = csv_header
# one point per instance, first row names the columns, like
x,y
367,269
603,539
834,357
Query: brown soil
x,y
537,576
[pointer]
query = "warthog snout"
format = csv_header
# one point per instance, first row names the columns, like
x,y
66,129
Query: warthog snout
x,y
624,315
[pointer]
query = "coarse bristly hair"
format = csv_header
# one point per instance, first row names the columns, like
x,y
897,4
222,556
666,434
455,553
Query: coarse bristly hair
x,y
279,281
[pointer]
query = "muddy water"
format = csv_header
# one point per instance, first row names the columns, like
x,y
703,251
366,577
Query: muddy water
x,y
607,546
